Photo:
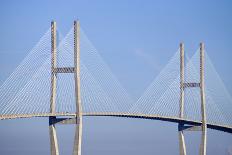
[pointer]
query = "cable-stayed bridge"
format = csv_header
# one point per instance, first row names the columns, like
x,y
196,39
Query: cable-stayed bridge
x,y
65,79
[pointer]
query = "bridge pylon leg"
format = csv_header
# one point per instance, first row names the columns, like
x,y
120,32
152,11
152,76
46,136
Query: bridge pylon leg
x,y
78,135
203,110
53,138
182,146
53,66
52,129
77,139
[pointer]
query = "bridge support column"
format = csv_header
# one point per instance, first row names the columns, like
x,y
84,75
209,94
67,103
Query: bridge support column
x,y
53,66
78,138
53,138
54,71
183,85
203,110
78,135
182,146
52,129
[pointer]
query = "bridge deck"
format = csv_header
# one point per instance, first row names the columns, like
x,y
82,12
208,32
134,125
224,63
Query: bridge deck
x,y
218,127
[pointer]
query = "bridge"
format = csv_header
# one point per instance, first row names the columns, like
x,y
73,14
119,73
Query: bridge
x,y
58,81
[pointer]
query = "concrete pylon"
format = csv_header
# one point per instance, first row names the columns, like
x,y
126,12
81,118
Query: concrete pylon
x,y
78,134
54,71
183,86
52,130
182,146
53,66
203,110
53,138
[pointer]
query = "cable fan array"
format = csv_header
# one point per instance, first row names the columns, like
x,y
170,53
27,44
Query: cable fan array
x,y
27,90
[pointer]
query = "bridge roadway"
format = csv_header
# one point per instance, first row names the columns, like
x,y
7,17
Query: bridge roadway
x,y
173,119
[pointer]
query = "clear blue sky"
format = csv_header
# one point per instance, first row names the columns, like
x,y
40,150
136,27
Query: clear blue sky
x,y
135,37
134,34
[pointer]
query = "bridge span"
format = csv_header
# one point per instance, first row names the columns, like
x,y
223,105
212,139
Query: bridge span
x,y
218,127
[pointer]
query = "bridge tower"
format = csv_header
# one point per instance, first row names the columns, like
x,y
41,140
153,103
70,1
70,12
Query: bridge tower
x,y
183,85
58,70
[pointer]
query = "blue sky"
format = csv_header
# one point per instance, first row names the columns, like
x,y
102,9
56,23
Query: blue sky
x,y
135,37
130,35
